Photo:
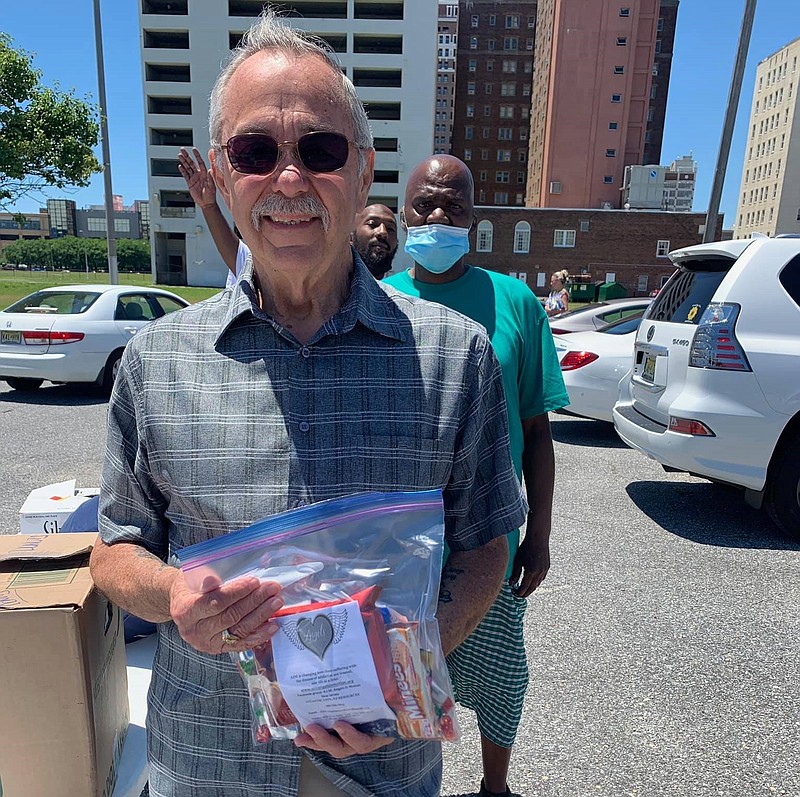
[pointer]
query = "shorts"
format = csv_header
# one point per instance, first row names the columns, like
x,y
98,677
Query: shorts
x,y
489,669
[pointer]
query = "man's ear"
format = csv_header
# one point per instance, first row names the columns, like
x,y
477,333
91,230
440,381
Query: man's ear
x,y
366,178
217,170
474,223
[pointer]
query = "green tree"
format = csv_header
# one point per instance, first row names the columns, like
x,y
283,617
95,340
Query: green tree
x,y
133,254
46,135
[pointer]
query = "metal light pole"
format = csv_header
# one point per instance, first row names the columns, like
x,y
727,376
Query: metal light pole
x,y
730,118
113,276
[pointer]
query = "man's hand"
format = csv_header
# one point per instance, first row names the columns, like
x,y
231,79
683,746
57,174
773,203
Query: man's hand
x,y
345,742
199,181
242,607
531,562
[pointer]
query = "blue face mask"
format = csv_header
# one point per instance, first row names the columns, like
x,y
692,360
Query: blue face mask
x,y
437,247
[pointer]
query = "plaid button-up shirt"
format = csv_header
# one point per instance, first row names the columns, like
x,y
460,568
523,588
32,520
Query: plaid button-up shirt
x,y
220,417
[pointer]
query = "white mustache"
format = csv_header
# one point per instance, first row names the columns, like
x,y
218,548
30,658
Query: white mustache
x,y
277,205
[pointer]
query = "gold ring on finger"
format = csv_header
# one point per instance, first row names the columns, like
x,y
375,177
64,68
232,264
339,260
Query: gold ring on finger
x,y
228,638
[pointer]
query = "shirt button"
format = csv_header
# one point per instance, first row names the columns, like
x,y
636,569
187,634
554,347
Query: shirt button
x,y
306,352
304,426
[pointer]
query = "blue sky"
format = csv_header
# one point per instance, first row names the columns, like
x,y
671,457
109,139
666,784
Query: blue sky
x,y
61,34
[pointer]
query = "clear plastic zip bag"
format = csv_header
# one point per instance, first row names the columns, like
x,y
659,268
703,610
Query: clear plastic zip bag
x,y
358,639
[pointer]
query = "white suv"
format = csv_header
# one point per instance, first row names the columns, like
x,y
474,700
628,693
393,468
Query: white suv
x,y
715,385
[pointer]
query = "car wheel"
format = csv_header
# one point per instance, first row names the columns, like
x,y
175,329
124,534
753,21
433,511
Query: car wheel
x,y
26,385
110,371
782,496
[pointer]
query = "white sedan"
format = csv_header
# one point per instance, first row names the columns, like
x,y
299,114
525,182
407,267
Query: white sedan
x,y
75,333
593,363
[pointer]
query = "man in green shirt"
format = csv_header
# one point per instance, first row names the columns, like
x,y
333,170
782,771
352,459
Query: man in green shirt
x,y
489,669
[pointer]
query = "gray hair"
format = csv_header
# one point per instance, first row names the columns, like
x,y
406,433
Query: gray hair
x,y
271,32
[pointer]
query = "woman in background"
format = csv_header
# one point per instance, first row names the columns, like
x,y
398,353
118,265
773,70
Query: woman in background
x,y
558,299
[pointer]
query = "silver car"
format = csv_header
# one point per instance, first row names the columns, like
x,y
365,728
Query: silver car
x,y
592,317
75,333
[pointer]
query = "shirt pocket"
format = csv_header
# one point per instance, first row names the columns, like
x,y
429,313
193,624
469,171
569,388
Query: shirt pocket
x,y
399,462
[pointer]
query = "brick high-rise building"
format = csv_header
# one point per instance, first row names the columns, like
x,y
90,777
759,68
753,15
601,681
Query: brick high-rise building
x,y
493,86
447,41
591,99
659,87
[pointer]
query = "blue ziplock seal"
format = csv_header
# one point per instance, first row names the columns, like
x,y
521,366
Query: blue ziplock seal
x,y
304,520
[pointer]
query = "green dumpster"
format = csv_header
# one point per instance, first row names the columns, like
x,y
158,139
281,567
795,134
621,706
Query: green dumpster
x,y
611,290
582,292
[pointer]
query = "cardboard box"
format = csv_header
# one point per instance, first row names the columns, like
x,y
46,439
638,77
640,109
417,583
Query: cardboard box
x,y
46,508
63,682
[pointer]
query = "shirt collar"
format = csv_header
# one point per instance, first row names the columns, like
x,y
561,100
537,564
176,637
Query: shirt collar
x,y
367,304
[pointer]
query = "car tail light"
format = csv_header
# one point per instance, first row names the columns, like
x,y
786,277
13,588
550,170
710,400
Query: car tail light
x,y
557,331
689,426
46,338
577,359
715,344
65,337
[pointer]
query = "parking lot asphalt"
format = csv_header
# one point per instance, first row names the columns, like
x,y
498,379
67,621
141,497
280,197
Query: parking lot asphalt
x,y
664,646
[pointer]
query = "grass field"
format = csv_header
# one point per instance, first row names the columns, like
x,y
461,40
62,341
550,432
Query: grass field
x,y
16,284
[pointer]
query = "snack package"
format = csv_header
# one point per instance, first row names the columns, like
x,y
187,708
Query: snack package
x,y
358,639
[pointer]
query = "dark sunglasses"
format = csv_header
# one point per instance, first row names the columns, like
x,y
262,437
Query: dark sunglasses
x,y
257,153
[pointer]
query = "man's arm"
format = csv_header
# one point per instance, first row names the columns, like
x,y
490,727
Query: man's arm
x,y
141,583
203,191
532,560
471,581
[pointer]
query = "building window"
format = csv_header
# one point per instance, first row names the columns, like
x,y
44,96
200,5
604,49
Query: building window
x,y
473,42
662,249
488,88
555,186
611,153
505,133
471,87
484,154
563,239
658,45
512,20
122,225
613,125
508,89
483,175
467,154
485,132
474,20
660,24
490,65
608,179
616,98
492,20
482,195
506,111
470,110
469,131
94,224
624,12
490,45
585,226
522,238
510,66
532,21
501,177
501,197
622,41
487,110
510,43
503,155
473,64
485,235
641,286
619,70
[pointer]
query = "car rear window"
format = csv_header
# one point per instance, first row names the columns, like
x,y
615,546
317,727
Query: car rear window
x,y
55,303
790,279
578,311
687,294
624,325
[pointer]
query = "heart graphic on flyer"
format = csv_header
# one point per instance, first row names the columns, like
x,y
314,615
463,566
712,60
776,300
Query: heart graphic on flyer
x,y
316,634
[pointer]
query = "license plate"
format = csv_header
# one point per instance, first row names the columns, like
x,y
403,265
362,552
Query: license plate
x,y
649,367
10,336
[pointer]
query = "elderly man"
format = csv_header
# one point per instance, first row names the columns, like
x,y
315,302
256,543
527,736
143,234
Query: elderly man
x,y
305,382
374,235
489,670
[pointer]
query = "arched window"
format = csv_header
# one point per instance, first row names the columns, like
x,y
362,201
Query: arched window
x,y
522,238
485,236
